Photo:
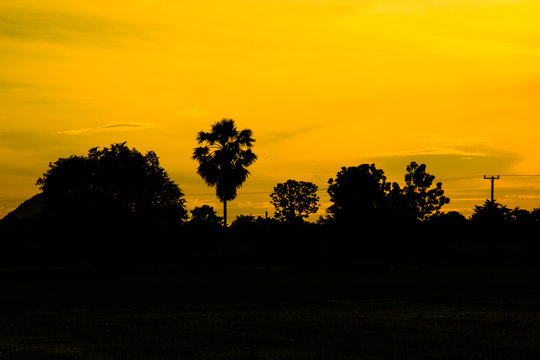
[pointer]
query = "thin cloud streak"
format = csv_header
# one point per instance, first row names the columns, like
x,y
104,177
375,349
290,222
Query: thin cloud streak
x,y
431,151
449,141
134,126
63,27
278,136
516,196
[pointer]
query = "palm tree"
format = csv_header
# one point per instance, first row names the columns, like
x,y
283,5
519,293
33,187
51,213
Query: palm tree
x,y
223,155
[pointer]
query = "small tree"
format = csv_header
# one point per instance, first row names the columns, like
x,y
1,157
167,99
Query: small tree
x,y
294,200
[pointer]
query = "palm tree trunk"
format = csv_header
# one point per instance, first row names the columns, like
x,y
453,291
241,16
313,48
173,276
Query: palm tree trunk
x,y
225,213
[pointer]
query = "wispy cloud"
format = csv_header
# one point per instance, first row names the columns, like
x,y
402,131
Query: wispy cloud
x,y
270,136
431,151
130,126
8,85
519,196
448,141
53,26
469,199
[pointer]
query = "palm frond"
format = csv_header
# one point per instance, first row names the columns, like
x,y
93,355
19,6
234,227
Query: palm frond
x,y
200,152
245,138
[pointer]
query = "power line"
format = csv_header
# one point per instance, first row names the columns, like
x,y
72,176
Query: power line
x,y
460,178
520,175
479,176
242,193
324,190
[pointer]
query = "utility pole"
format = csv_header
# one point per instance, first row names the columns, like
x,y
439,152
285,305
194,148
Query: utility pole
x,y
492,178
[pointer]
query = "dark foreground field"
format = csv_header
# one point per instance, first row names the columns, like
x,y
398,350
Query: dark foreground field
x,y
272,314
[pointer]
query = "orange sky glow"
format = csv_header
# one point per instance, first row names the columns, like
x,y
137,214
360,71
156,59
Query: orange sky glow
x,y
322,84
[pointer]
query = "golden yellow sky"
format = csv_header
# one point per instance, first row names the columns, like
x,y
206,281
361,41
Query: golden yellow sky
x,y
322,84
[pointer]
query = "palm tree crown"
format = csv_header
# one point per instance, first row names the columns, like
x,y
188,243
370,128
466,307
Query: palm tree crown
x,y
224,155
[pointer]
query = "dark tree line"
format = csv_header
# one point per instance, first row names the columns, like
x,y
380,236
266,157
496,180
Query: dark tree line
x,y
118,206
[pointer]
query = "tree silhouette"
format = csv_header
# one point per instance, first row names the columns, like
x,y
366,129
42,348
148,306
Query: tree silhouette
x,y
491,213
112,184
294,200
417,200
223,157
358,194
114,205
243,220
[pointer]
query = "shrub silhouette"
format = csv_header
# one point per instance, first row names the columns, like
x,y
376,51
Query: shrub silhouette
x,y
205,215
243,220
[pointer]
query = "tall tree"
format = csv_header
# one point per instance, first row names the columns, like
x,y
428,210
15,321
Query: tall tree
x,y
295,200
224,153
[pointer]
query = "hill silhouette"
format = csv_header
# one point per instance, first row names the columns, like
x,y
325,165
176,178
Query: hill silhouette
x,y
28,208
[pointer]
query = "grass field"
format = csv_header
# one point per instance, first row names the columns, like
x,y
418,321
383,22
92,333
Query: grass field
x,y
376,314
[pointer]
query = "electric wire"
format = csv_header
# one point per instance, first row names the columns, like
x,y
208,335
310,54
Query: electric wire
x,y
324,190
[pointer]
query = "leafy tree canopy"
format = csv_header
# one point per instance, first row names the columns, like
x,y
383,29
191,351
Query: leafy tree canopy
x,y
112,183
362,194
294,200
358,193
491,213
417,200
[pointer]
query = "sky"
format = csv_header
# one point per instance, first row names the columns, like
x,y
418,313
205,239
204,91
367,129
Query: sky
x,y
322,84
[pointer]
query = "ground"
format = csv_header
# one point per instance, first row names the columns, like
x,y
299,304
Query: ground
x,y
271,313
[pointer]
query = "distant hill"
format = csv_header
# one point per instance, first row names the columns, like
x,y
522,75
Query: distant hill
x,y
27,209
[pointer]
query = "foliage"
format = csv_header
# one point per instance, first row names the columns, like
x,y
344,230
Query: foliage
x,y
491,212
112,183
205,215
223,156
416,201
294,200
362,194
358,194
451,218
243,220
